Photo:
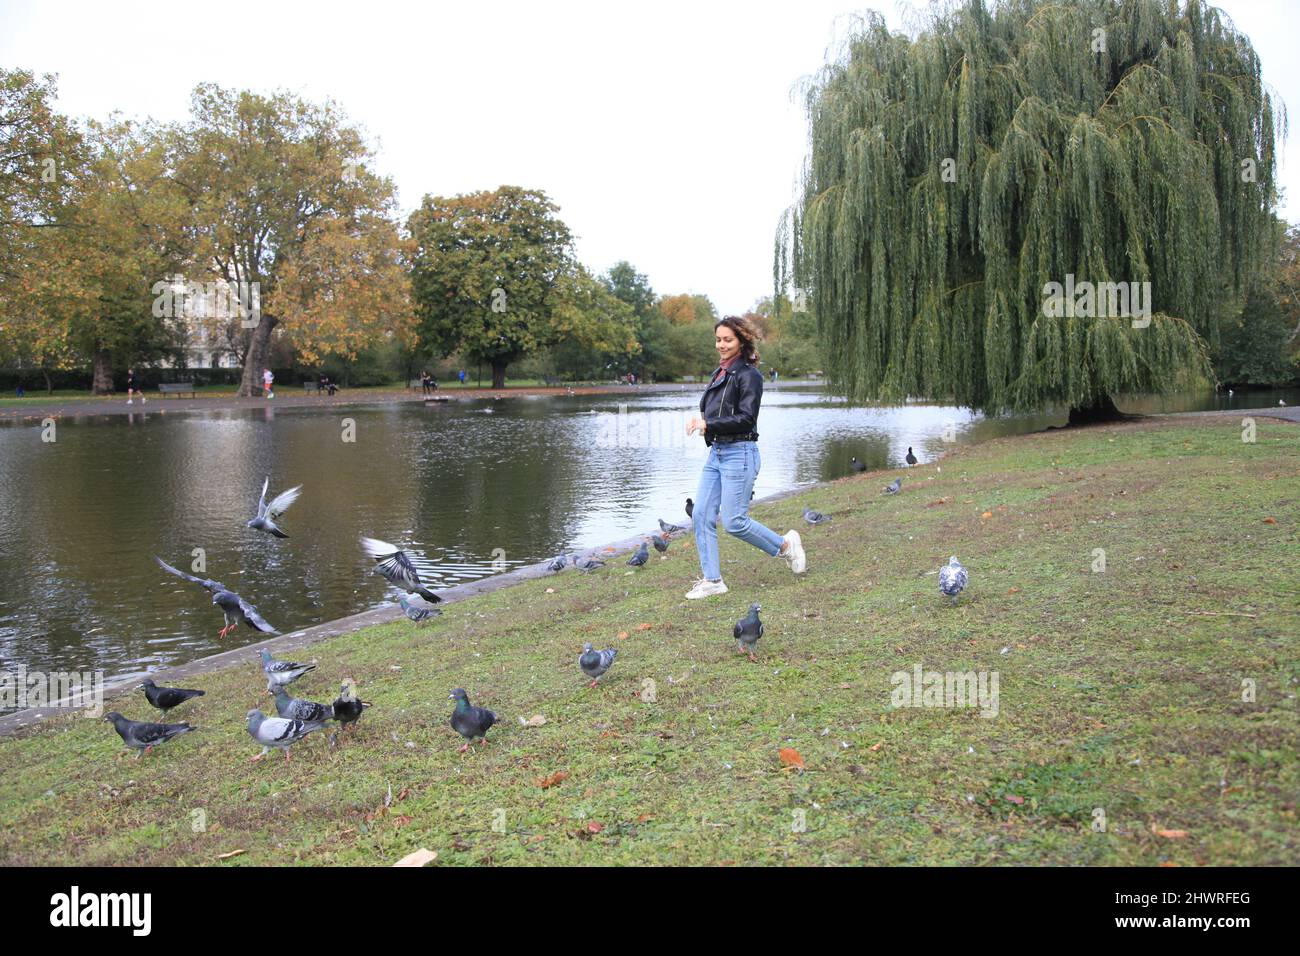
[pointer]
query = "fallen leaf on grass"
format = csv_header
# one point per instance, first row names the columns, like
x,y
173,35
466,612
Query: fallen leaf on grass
x,y
1270,521
644,818
644,627
1016,800
987,514
534,721
594,827
622,635
1013,590
419,858
791,758
1168,834
550,590
232,853
402,819
547,782
876,747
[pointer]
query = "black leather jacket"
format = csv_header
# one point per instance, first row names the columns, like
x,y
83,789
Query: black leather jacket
x,y
729,406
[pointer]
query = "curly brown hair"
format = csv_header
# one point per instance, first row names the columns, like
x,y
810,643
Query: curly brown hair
x,y
748,334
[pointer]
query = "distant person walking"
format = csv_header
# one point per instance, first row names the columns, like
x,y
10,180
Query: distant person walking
x,y
462,378
132,388
267,380
728,422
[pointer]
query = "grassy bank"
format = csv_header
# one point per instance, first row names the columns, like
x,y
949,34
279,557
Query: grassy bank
x,y
1119,690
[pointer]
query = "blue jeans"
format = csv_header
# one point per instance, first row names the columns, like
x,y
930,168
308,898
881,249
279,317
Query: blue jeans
x,y
725,484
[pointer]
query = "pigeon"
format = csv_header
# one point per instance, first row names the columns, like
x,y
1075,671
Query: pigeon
x,y
292,708
660,543
669,529
893,487
814,517
282,672
952,578
910,459
470,721
558,563
396,567
165,698
748,630
278,732
143,737
857,465
690,508
211,585
641,557
415,612
238,611
349,707
588,563
594,663
266,514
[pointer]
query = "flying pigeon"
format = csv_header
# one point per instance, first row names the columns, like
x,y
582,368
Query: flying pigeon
x,y
594,663
910,459
814,517
857,465
558,563
669,529
165,698
211,585
748,630
142,737
397,568
282,672
642,555
278,732
952,578
588,563
690,508
266,514
292,708
660,543
415,612
893,487
470,721
349,707
238,611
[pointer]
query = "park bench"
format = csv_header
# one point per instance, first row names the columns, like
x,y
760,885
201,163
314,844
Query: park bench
x,y
177,388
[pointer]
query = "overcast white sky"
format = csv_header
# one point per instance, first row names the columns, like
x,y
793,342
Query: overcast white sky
x,y
667,132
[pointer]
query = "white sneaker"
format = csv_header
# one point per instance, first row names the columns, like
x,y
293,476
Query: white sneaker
x,y
793,554
705,588
130,401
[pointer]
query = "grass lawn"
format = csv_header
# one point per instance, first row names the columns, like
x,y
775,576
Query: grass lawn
x,y
1121,696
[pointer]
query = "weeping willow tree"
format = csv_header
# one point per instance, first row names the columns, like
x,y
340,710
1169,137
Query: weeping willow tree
x,y
955,174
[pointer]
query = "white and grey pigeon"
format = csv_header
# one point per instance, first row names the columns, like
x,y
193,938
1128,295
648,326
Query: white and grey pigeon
x,y
268,513
588,563
815,517
279,673
641,557
294,708
558,563
952,578
143,737
670,529
393,564
595,663
278,732
748,630
416,612
893,487
237,611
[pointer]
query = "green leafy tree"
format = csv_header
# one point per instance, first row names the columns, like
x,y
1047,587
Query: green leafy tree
x,y
953,175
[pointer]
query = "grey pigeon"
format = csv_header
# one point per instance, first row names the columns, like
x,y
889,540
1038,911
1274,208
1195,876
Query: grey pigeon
x,y
279,732
211,585
292,708
279,673
470,721
952,578
267,513
348,708
558,563
660,543
669,529
814,517
748,630
416,612
143,737
893,487
690,508
910,459
238,611
396,568
165,698
641,557
588,563
594,663
857,465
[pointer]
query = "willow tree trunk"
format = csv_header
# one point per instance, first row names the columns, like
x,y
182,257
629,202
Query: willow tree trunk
x,y
250,385
499,374
103,380
1102,410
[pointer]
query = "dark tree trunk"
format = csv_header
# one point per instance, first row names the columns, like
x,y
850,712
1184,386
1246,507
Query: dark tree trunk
x,y
49,382
103,380
250,385
499,374
1100,411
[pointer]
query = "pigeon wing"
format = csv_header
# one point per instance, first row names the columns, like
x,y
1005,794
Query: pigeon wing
x,y
281,502
211,585
255,620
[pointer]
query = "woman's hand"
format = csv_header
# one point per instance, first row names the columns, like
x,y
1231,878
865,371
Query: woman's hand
x,y
696,424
